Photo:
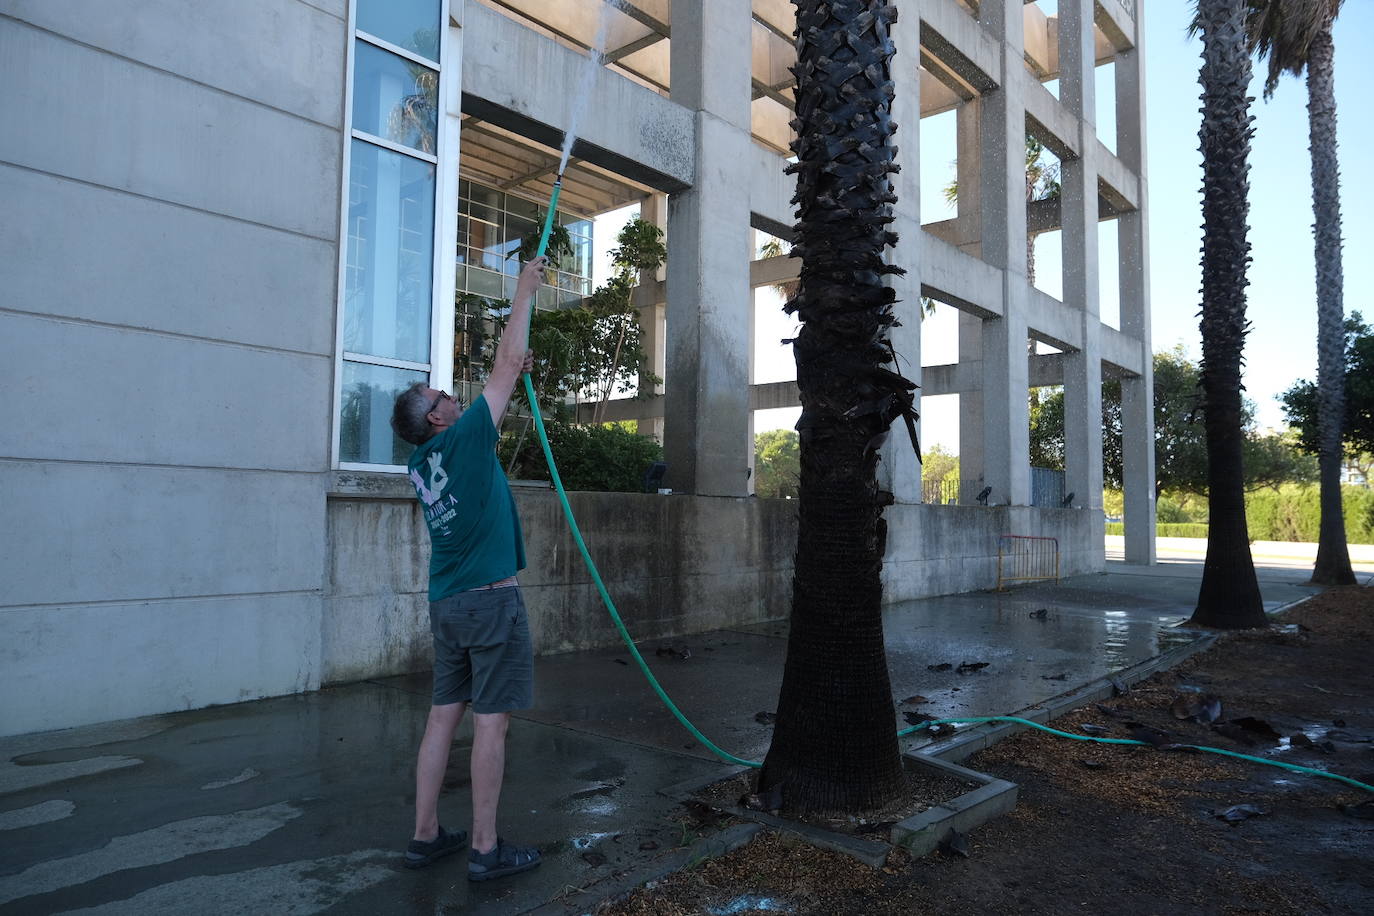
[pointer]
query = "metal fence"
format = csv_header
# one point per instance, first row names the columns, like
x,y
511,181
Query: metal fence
x,y
1047,488
1022,558
951,491
1047,491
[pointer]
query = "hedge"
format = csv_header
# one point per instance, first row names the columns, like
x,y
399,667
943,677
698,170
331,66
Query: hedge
x,y
1290,513
1165,530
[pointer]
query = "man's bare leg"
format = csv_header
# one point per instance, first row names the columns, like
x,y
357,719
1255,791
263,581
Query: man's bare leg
x,y
488,768
431,764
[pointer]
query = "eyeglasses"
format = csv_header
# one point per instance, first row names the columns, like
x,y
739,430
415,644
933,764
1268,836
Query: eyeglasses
x,y
443,396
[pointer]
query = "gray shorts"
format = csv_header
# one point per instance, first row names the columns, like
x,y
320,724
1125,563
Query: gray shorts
x,y
482,650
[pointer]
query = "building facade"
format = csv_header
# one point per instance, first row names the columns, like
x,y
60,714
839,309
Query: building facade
x,y
231,234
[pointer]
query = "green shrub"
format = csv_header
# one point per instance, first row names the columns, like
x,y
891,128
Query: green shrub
x,y
1290,513
606,458
1293,513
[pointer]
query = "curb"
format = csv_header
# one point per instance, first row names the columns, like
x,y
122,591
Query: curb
x,y
728,840
923,833
979,737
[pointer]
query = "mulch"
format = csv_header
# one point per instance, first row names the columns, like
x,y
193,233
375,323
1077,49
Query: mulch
x,y
1126,829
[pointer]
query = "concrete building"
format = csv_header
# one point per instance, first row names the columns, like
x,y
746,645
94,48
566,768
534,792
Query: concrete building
x,y
231,233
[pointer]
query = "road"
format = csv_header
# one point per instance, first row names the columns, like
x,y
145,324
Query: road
x,y
1269,554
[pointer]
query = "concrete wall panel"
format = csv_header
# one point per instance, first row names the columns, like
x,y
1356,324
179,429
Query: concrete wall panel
x,y
79,533
673,565
148,264
283,53
158,399
101,119
76,665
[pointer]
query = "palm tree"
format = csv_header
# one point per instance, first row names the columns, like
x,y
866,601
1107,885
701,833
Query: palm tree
x,y
1229,596
834,746
1295,35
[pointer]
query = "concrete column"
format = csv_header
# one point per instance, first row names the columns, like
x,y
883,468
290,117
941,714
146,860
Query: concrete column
x,y
1133,232
971,405
1006,421
1078,208
899,471
652,209
966,174
706,406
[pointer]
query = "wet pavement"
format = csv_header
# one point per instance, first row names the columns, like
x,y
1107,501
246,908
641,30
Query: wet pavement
x,y
302,804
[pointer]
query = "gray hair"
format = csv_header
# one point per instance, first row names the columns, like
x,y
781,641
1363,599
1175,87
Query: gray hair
x,y
410,416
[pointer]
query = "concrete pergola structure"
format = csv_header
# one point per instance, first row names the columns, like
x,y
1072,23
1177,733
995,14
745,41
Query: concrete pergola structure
x,y
202,163
691,116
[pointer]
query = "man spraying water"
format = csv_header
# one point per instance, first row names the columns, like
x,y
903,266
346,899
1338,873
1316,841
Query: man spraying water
x,y
482,651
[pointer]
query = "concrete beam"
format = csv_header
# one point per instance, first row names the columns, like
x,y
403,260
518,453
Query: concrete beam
x,y
959,279
770,193
1122,351
1052,321
1122,186
1118,25
953,36
763,396
1050,122
624,127
774,271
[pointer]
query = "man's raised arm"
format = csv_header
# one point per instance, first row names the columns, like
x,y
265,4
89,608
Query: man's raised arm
x,y
511,352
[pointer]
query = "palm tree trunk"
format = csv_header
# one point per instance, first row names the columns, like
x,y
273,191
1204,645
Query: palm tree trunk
x,y
1333,556
834,746
1229,596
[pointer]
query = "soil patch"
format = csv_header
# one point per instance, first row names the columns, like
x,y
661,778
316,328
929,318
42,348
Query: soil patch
x,y
924,790
1126,829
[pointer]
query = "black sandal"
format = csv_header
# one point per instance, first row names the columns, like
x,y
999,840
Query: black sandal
x,y
502,860
419,853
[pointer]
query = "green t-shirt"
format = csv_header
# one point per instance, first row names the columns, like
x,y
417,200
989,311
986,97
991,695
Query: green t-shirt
x,y
474,531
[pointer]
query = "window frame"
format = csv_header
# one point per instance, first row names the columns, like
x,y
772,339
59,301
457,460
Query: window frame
x,y
442,267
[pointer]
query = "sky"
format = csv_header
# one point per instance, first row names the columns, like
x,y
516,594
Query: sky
x,y
1281,346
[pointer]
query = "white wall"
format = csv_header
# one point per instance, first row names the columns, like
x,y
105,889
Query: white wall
x,y
168,266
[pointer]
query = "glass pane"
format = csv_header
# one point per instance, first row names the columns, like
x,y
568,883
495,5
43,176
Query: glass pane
x,y
581,262
516,229
484,283
482,196
369,392
484,212
389,275
410,24
521,207
394,98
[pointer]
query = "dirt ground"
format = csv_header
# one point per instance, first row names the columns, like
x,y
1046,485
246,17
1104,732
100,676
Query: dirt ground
x,y
1126,829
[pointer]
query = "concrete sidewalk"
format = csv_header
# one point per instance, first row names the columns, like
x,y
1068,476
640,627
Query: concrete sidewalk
x,y
302,804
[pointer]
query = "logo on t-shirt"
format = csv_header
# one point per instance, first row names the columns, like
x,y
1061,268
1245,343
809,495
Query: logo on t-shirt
x,y
438,477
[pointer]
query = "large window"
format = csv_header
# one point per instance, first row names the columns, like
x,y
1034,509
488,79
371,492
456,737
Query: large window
x,y
490,226
387,318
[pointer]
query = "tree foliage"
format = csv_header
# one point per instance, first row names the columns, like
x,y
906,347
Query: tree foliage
x,y
1180,441
777,464
1300,400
